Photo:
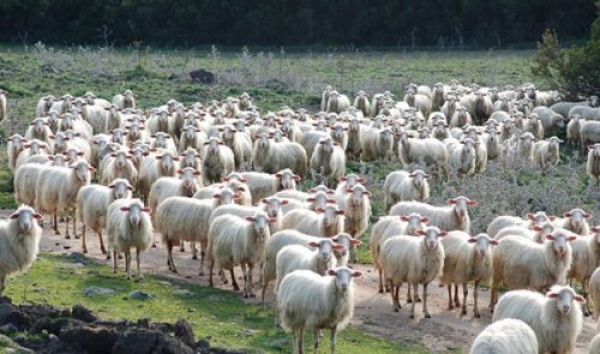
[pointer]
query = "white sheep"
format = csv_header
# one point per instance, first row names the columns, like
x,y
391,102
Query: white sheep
x,y
594,347
535,127
545,153
232,241
593,162
574,130
590,134
31,148
419,101
337,102
218,161
19,242
594,292
185,186
466,259
551,121
307,300
39,129
414,260
521,264
44,105
506,336
362,103
504,221
15,144
411,150
125,100
191,225
190,158
388,226
25,180
462,156
376,144
586,258
57,188
241,145
128,226
271,157
575,220
192,137
405,186
328,160
461,118
451,217
152,168
92,205
555,317
118,164
262,185
328,221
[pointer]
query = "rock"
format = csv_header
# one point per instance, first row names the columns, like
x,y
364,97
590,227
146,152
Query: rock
x,y
82,313
96,290
184,331
89,339
140,295
202,76
6,312
142,341
202,344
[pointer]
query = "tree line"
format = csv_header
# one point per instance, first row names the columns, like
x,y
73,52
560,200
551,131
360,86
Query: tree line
x,y
401,23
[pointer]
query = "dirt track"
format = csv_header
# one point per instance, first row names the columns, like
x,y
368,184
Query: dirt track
x,y
446,330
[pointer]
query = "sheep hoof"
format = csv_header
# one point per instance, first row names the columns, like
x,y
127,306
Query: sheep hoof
x,y
194,257
477,315
409,301
396,309
67,236
381,291
103,251
463,312
154,245
77,237
426,316
84,250
412,316
586,314
201,274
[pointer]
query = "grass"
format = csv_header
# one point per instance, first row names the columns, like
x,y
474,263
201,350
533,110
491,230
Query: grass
x,y
60,280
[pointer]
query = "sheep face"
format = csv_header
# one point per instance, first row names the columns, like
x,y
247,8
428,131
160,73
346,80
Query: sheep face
x,y
320,200
343,277
419,178
338,132
414,223
38,125
595,149
190,156
483,243
539,218
359,193
432,235
25,216
121,188
260,224
121,158
225,196
461,205
330,213
35,147
564,297
135,210
324,248
188,177
240,126
228,132
577,217
347,241
82,171
559,241
167,161
273,205
73,154
287,179
59,160
161,140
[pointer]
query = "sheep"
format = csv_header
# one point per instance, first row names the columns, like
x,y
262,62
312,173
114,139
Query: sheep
x,y
128,226
430,151
452,217
39,129
152,168
594,292
119,165
263,185
25,180
234,181
533,233
377,144
308,301
479,105
574,130
551,121
270,157
590,134
19,241
328,221
328,160
124,100
462,156
290,130
388,226
587,113
218,161
575,221
361,102
461,118
506,336
504,221
522,263
491,142
272,206
68,122
357,206
466,259
44,105
191,225
415,260
337,102
241,145
594,347
419,101
164,187
555,317
31,148
64,103
535,126
57,188
325,97
232,241
545,153
586,258
354,148
404,186
92,205
192,137
523,151
163,142
190,158
593,163
15,144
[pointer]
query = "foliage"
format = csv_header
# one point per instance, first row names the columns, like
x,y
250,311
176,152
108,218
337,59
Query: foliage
x,y
573,71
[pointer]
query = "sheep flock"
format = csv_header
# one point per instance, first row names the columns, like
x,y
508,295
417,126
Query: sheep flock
x,y
272,193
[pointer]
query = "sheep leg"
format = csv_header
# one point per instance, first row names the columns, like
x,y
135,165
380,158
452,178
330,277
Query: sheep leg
x,y
294,339
450,304
67,233
102,248
380,271
262,296
75,227
301,340
55,220
250,291
245,274
182,246
170,261
128,264
475,298
395,293
137,259
333,338
409,298
412,309
115,262
210,273
456,298
584,290
236,287
194,250
427,315
2,284
315,339
83,245
465,294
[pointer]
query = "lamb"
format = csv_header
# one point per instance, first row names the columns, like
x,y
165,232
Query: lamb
x,y
377,144
128,226
57,188
466,259
506,336
593,162
545,153
504,221
586,258
152,168
270,157
328,160
233,241
164,187
555,318
388,226
92,206
405,186
192,225
328,221
263,185
530,264
308,301
19,241
119,165
218,161
337,102
590,134
125,100
452,217
415,260
15,144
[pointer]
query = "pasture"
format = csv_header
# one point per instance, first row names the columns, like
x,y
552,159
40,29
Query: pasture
x,y
276,77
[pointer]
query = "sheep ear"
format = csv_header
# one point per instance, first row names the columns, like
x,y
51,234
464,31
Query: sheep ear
x,y
357,274
319,210
567,214
421,232
451,201
472,240
342,179
587,215
572,238
197,173
472,203
443,233
124,208
530,216
297,178
340,212
355,242
130,187
595,228
549,237
91,169
147,209
14,215
284,202
217,195
313,244
264,200
338,247
38,216
332,272
580,299
552,218
425,220
494,242
250,218
404,218
537,228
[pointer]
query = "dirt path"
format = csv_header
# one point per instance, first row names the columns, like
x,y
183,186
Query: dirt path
x,y
446,330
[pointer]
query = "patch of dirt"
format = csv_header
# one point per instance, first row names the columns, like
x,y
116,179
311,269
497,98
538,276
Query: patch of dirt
x,y
445,331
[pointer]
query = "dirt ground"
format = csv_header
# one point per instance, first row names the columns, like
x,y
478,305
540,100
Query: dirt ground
x,y
445,331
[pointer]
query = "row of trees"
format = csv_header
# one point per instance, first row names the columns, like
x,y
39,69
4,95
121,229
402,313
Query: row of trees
x,y
406,23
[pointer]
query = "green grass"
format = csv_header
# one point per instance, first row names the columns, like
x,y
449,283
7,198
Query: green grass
x,y
222,315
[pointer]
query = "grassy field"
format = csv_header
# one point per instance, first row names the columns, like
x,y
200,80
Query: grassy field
x,y
275,78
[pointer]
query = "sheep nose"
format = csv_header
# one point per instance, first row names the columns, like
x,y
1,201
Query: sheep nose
x,y
26,227
566,308
325,254
344,252
561,249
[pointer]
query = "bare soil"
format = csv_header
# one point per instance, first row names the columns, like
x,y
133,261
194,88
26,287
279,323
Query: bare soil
x,y
446,331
